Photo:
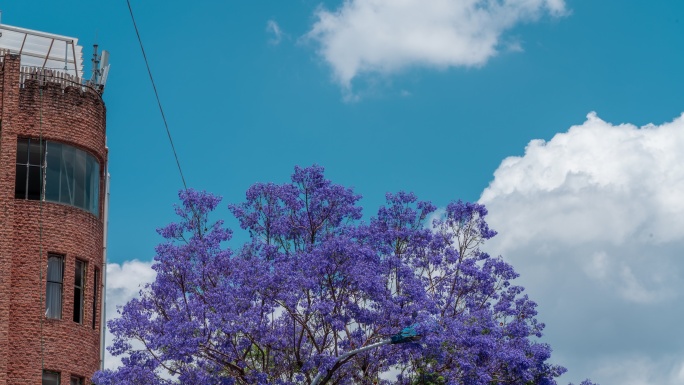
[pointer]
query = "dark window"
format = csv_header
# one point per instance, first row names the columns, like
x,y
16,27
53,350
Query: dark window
x,y
29,179
76,380
50,378
72,176
96,283
53,294
79,278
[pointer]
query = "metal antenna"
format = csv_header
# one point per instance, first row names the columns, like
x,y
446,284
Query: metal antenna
x,y
96,64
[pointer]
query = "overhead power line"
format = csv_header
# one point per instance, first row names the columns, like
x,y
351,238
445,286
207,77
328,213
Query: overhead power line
x,y
156,94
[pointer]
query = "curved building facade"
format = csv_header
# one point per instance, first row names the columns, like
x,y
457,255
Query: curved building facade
x,y
53,175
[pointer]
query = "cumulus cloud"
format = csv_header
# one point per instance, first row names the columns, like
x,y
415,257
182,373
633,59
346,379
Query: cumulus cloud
x,y
385,36
593,220
123,284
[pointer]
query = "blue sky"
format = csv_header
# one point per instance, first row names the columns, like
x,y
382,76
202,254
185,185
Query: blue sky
x,y
253,88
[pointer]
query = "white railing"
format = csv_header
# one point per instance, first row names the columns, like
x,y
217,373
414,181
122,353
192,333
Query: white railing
x,y
3,52
50,75
44,75
63,79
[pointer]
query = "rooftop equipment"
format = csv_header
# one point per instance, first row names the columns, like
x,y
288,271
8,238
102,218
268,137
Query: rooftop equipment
x,y
48,51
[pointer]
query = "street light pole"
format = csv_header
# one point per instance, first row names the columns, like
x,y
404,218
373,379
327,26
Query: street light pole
x,y
407,334
350,353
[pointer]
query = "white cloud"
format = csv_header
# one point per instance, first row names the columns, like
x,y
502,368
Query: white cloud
x,y
124,283
632,176
593,220
385,36
273,28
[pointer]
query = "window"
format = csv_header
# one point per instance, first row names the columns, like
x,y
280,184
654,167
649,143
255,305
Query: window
x,y
72,176
53,294
50,378
96,283
79,278
76,380
29,179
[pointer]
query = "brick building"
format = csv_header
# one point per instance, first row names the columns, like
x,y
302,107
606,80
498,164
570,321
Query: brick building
x,y
53,210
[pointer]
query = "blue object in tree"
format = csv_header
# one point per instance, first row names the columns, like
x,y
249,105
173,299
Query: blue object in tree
x,y
407,334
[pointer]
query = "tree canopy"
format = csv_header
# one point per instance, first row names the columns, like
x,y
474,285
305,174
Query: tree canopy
x,y
315,283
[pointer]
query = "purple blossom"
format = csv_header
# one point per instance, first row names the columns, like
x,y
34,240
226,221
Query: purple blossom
x,y
315,282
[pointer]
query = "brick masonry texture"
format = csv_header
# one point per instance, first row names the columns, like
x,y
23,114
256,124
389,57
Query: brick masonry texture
x,y
77,118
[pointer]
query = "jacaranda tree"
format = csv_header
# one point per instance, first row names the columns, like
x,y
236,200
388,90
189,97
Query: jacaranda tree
x,y
315,283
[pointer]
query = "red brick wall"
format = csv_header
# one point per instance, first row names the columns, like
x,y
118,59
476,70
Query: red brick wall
x,y
77,118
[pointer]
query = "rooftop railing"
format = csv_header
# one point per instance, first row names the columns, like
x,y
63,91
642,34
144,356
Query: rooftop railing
x,y
54,76
51,75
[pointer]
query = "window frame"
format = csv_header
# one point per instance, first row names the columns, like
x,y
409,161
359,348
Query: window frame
x,y
28,166
96,283
79,290
52,283
64,184
51,372
62,173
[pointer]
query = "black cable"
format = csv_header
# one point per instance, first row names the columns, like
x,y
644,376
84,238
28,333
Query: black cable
x,y
156,95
